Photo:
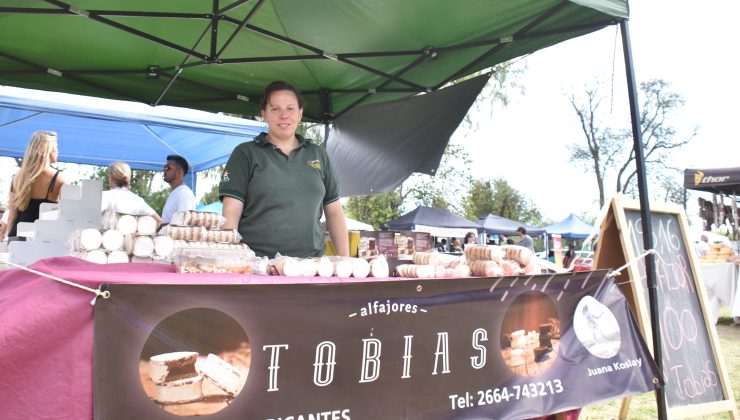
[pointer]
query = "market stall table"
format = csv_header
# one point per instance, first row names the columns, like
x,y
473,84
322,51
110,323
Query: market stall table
x,y
721,284
47,329
53,341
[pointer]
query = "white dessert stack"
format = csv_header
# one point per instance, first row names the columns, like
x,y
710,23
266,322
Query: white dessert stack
x,y
112,240
121,239
90,239
96,256
175,378
180,391
146,225
360,267
516,357
143,246
342,267
325,267
379,267
116,257
178,376
222,374
127,224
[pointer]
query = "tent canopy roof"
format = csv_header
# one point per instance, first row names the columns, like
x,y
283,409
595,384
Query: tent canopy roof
x,y
103,131
718,180
436,221
497,225
339,53
570,228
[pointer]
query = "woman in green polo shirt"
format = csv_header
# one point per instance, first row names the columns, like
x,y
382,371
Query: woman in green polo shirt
x,y
275,188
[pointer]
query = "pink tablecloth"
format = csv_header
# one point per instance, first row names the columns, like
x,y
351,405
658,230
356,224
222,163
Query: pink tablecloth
x,y
46,331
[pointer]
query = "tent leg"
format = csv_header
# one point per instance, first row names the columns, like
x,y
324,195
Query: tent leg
x,y
647,234
735,219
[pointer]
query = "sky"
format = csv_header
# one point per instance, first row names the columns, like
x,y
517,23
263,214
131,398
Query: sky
x,y
688,44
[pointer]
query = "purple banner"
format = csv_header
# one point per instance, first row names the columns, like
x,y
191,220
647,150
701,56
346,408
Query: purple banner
x,y
512,347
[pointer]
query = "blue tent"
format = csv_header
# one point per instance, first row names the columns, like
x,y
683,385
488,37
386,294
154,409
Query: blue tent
x,y
497,225
100,131
570,228
214,207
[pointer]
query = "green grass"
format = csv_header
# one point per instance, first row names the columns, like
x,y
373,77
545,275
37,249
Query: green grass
x,y
644,406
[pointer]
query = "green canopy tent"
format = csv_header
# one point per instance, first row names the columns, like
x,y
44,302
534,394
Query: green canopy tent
x,y
218,55
353,60
342,54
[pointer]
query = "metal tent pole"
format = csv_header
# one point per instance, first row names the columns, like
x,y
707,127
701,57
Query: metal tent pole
x,y
647,234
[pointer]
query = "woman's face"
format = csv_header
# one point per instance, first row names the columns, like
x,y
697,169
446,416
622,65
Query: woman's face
x,y
282,113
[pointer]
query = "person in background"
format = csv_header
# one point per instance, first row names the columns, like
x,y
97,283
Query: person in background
x,y
275,188
35,183
119,199
469,239
568,259
524,239
4,225
385,227
456,247
702,247
442,247
181,198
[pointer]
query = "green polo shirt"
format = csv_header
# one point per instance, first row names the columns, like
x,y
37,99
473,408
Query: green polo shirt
x,y
283,196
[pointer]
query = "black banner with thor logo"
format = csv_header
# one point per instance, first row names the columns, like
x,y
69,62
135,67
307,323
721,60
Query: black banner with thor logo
x,y
512,347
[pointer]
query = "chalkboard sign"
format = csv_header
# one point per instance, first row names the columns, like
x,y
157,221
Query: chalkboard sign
x,y
696,381
688,361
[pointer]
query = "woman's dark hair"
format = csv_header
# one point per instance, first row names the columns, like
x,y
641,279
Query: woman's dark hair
x,y
469,235
276,86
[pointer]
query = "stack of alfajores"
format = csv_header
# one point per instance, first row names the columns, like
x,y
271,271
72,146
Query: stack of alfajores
x,y
122,238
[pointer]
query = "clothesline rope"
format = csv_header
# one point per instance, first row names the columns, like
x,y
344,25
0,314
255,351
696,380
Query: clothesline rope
x,y
97,292
618,271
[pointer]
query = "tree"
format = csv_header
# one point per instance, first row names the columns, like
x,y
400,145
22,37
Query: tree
x,y
605,148
501,199
673,191
479,201
375,209
214,174
442,189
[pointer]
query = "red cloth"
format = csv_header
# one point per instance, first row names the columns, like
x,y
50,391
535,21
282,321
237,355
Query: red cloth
x,y
46,330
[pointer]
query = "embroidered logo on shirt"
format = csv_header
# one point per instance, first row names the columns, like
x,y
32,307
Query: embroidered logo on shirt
x,y
225,176
315,164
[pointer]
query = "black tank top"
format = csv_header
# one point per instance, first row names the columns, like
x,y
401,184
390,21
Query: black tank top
x,y
31,213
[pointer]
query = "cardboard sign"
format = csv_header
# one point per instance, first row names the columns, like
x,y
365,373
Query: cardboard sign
x,y
696,381
410,242
511,347
374,243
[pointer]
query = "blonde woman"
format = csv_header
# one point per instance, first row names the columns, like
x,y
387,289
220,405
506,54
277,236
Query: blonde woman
x,y
119,199
35,183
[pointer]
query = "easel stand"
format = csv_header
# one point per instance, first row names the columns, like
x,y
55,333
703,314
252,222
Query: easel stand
x,y
694,370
